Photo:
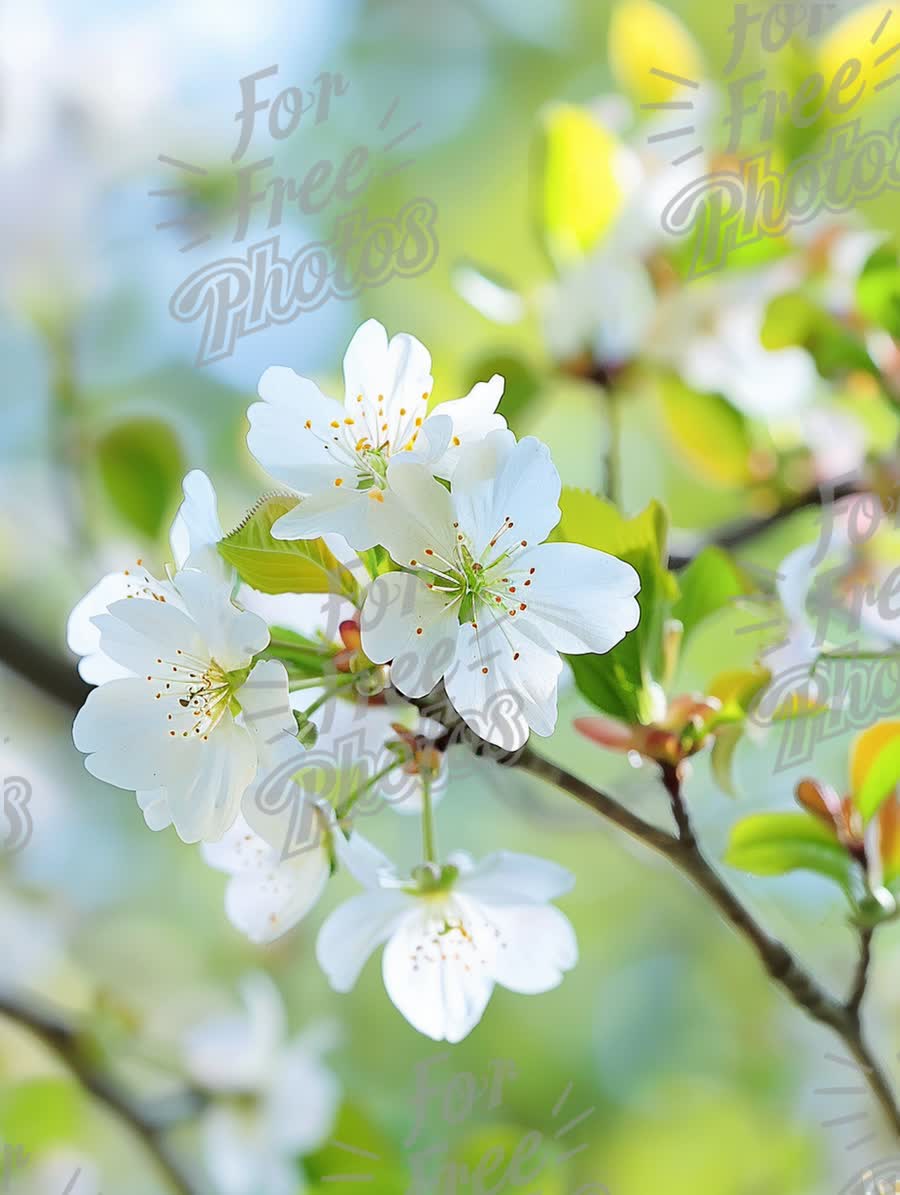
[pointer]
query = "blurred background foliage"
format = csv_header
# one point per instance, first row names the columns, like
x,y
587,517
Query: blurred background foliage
x,y
700,1075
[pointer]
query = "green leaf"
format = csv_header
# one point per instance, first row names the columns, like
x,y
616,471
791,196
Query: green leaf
x,y
613,685
875,766
578,194
619,681
141,466
722,757
642,33
307,731
878,289
711,435
39,1113
512,1157
378,1163
284,565
794,319
522,383
777,843
737,690
710,582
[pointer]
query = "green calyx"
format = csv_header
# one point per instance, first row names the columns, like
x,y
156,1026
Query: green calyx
x,y
429,879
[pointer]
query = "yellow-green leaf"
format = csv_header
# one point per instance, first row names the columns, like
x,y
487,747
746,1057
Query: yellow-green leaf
x,y
578,194
644,38
875,766
709,433
722,756
39,1113
769,844
710,582
852,38
619,682
284,565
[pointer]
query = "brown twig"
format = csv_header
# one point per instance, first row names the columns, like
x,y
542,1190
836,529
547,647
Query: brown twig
x,y
861,978
736,534
684,852
65,1041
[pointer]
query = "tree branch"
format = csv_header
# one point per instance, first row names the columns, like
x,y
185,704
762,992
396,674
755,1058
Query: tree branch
x,y
734,535
60,1037
47,670
60,681
600,802
861,978
685,853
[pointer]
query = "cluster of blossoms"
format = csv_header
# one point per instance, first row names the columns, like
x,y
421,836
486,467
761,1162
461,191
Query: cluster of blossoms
x,y
447,598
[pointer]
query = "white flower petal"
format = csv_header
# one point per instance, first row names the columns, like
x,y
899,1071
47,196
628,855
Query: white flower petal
x,y
265,702
234,1052
279,438
393,380
204,793
793,581
233,1151
155,808
232,636
418,527
580,599
83,635
354,931
503,683
472,418
121,729
196,529
336,510
506,877
497,480
538,947
139,631
433,442
365,862
405,621
302,1100
266,897
440,979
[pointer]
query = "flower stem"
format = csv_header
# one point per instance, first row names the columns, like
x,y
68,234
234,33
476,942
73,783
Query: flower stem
x,y
332,691
613,446
428,838
364,788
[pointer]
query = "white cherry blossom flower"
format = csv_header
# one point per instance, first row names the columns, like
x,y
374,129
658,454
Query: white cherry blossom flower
x,y
268,894
489,606
278,852
285,1098
337,455
451,934
193,537
170,728
196,530
836,590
